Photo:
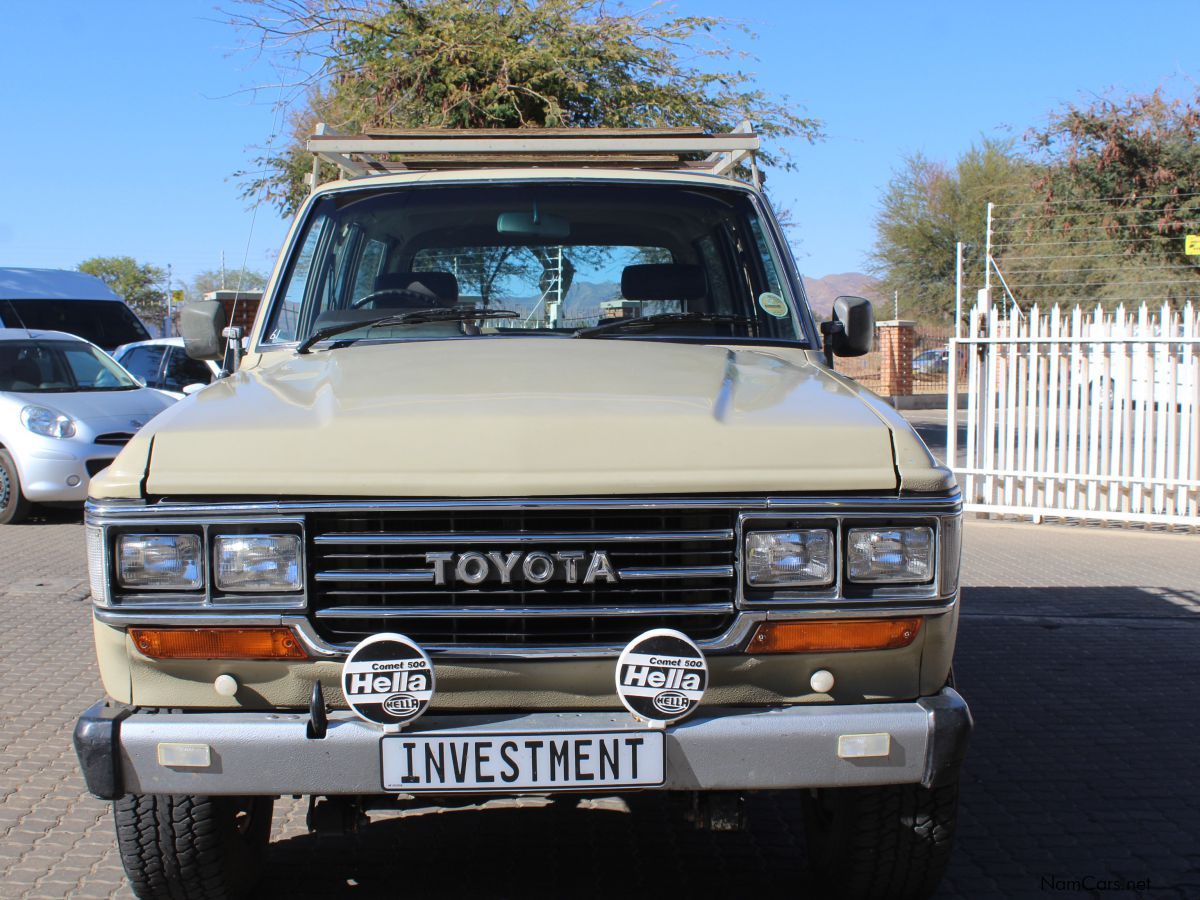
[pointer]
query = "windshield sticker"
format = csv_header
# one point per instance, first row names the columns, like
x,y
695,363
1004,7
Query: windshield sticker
x,y
661,676
388,679
773,304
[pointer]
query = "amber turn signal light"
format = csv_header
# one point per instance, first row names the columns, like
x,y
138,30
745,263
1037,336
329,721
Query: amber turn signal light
x,y
834,635
217,643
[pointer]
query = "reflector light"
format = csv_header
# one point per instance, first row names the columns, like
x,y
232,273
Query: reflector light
x,y
834,635
217,643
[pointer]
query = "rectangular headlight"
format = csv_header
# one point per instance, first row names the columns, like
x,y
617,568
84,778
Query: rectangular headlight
x,y
890,554
258,563
160,562
790,558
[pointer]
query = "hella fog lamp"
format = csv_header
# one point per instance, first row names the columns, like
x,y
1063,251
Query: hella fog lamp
x,y
159,562
789,558
890,554
258,562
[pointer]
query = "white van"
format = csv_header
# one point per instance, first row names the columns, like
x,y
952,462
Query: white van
x,y
62,300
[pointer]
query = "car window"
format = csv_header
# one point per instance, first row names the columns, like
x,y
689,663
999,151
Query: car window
x,y
285,318
106,323
144,363
59,366
556,257
181,370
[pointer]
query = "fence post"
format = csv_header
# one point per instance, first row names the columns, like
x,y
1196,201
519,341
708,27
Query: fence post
x,y
896,338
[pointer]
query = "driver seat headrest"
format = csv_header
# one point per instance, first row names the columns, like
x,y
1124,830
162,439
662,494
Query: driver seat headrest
x,y
441,289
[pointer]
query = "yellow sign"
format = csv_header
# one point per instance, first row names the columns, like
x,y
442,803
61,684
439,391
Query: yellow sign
x,y
1191,245
177,297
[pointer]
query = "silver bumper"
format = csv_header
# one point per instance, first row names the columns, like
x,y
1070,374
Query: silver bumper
x,y
724,749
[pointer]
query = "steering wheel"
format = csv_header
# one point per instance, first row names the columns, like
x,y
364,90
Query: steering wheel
x,y
375,295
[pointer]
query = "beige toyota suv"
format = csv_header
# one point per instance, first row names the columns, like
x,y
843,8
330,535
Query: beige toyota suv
x,y
534,474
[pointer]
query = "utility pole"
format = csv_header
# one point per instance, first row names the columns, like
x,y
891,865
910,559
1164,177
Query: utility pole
x,y
222,270
166,329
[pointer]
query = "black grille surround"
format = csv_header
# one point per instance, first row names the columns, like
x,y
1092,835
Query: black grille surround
x,y
368,573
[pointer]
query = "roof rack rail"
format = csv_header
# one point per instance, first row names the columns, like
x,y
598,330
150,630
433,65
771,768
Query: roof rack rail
x,y
383,151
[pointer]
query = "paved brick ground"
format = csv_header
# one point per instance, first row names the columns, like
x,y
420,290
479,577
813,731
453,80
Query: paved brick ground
x,y
1079,653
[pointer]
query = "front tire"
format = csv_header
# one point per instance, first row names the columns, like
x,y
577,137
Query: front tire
x,y
192,848
13,505
890,843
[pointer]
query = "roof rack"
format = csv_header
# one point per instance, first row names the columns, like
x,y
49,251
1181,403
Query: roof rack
x,y
384,151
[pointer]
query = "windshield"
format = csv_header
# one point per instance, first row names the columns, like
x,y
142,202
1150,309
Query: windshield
x,y
106,323
562,256
35,367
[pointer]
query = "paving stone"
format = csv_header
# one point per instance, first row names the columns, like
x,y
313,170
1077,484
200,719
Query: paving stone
x,y
1079,651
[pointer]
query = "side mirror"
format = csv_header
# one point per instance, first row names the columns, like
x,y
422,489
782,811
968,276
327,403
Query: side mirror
x,y
851,331
201,323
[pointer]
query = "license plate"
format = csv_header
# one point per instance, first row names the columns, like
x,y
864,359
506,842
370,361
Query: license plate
x,y
515,762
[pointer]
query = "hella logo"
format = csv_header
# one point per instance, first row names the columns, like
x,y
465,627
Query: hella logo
x,y
401,705
671,702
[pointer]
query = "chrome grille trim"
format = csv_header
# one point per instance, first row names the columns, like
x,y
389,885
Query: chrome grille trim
x,y
498,612
423,576
550,537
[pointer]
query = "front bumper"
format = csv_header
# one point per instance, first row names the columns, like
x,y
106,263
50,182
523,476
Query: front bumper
x,y
47,473
722,749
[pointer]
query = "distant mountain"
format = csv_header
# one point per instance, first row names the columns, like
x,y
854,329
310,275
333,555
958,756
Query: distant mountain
x,y
823,291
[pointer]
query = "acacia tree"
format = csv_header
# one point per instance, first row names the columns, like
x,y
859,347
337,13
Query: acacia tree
x,y
927,208
138,284
365,64
1119,193
219,279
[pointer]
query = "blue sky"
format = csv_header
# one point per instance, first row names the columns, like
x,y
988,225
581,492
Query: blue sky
x,y
124,121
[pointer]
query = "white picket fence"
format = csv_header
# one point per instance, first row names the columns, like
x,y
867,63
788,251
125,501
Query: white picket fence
x,y
1076,414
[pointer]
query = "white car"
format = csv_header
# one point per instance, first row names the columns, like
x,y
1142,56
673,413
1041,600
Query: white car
x,y
66,410
163,365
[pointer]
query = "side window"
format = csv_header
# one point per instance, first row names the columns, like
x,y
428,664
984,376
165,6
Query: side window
x,y
286,317
370,262
776,314
143,363
181,370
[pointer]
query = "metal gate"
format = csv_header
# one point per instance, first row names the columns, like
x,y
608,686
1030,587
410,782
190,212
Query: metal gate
x,y
1088,415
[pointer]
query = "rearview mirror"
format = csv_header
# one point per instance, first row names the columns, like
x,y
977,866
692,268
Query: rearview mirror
x,y
201,323
851,331
533,224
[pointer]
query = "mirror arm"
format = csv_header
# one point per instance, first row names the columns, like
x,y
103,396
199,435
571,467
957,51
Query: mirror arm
x,y
829,330
233,350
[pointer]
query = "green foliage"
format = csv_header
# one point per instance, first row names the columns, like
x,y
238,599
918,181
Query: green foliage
x,y
1120,190
139,284
927,208
231,279
504,64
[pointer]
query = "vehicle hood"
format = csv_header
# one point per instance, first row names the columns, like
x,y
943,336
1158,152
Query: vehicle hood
x,y
97,412
526,416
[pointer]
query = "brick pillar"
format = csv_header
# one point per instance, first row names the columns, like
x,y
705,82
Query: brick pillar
x,y
896,357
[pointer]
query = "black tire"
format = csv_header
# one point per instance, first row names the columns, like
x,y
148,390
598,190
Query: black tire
x,y
891,843
192,848
13,505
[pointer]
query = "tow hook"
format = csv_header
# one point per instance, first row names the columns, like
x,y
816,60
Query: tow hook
x,y
318,722
335,816
717,811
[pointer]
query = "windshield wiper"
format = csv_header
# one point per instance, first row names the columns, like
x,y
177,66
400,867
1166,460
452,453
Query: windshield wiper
x,y
412,317
649,322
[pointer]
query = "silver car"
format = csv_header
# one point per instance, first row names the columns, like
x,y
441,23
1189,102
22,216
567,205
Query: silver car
x,y
162,363
66,409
